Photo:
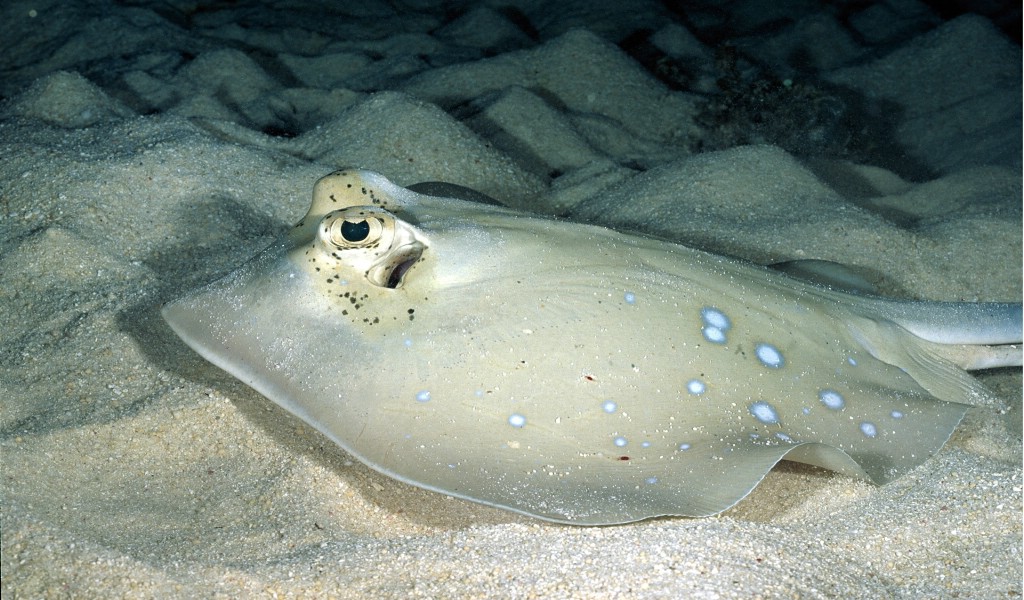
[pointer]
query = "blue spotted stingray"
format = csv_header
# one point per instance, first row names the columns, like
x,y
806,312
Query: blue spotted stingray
x,y
577,374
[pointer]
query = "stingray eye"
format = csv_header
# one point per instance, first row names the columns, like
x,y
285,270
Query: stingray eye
x,y
356,231
368,244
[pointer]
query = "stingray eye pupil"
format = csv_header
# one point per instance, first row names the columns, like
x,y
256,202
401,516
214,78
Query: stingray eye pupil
x,y
355,232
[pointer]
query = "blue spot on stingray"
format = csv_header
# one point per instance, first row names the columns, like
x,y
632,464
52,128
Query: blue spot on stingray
x,y
831,399
407,342
713,335
783,437
630,298
696,387
645,444
896,414
609,406
619,441
684,446
423,396
713,317
517,420
868,429
805,410
769,356
716,323
852,361
764,412
651,480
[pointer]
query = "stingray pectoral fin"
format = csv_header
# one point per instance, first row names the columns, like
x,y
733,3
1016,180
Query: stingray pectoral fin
x,y
197,319
744,469
925,362
886,457
712,483
237,324
739,473
828,457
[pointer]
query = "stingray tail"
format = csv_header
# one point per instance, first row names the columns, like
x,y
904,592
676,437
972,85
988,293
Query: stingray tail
x,y
971,335
964,323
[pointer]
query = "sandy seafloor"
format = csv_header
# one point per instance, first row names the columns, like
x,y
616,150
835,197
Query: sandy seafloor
x,y
149,147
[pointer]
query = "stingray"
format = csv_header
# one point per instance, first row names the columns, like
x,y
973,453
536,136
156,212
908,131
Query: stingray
x,y
574,373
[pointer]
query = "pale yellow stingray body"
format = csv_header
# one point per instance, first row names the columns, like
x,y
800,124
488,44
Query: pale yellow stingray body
x,y
575,373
